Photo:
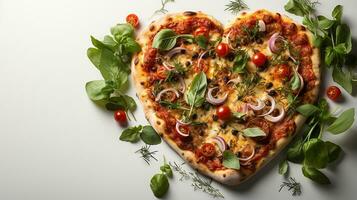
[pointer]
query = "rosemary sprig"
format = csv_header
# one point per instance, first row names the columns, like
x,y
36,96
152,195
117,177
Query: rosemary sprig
x,y
163,10
146,154
198,183
292,186
236,6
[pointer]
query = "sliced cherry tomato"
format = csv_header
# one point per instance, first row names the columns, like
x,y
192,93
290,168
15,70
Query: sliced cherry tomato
x,y
222,49
120,116
201,31
282,72
208,150
259,59
223,112
133,19
333,92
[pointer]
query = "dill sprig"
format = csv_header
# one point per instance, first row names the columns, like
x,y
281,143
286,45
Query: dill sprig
x,y
146,154
292,186
163,10
236,6
198,183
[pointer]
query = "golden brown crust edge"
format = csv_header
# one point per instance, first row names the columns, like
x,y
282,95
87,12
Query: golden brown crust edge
x,y
227,176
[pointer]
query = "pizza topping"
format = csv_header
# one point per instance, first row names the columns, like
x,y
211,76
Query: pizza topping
x,y
274,43
213,100
159,95
208,150
202,55
182,128
223,112
222,145
149,59
283,71
166,39
182,85
252,150
272,105
201,31
235,81
222,49
276,118
175,51
262,27
260,105
259,59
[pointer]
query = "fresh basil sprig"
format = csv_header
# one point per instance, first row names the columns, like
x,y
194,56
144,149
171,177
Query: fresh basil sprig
x,y
230,160
195,95
146,133
240,61
310,150
166,39
332,36
112,58
159,183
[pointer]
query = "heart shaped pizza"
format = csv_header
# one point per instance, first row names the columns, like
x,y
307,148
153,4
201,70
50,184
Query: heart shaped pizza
x,y
224,98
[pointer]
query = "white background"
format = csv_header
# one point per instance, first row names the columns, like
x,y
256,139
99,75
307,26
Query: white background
x,y
56,144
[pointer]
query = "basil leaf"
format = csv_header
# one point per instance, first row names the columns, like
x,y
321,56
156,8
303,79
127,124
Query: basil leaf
x,y
253,132
202,41
94,90
295,82
99,44
238,115
240,61
343,36
330,56
315,175
325,23
195,95
105,61
337,12
342,78
307,109
295,152
343,122
230,160
166,169
166,39
149,136
334,151
298,7
316,154
159,185
123,29
121,102
131,134
283,167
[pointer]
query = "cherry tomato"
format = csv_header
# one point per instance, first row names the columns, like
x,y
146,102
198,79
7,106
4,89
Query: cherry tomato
x,y
133,19
282,72
120,116
223,112
201,31
259,59
333,92
208,149
222,49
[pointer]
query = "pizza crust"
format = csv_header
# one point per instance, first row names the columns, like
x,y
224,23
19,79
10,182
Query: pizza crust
x,y
226,176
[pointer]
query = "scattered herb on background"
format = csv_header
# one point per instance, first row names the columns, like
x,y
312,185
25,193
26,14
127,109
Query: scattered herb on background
x,y
292,186
146,133
163,10
198,183
146,154
112,58
159,183
332,36
235,6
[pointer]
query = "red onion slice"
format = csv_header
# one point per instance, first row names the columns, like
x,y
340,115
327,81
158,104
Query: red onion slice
x,y
175,51
235,81
262,26
229,41
272,107
301,82
200,58
158,97
167,66
260,105
277,118
250,156
182,85
222,145
243,108
213,100
178,126
272,42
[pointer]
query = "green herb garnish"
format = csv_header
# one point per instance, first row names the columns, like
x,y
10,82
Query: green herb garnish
x,y
292,186
230,160
159,183
146,133
163,9
195,96
166,39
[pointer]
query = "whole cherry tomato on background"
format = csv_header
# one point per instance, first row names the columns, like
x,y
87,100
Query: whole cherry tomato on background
x,y
223,112
259,59
222,49
133,19
334,93
120,116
